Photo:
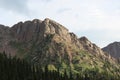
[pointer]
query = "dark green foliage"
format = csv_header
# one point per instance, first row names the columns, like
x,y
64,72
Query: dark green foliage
x,y
17,69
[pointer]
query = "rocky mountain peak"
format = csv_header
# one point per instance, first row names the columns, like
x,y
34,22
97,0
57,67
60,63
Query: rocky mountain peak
x,y
48,42
115,43
37,31
53,27
113,49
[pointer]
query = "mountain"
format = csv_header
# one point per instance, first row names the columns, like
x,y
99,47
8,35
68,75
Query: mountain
x,y
50,43
113,49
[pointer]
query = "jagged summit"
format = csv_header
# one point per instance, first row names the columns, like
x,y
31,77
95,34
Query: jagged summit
x,y
45,27
31,31
37,30
49,21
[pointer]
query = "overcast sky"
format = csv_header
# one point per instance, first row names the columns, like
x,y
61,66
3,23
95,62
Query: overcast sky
x,y
98,20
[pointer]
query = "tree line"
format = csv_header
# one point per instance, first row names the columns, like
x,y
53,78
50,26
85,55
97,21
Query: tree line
x,y
12,68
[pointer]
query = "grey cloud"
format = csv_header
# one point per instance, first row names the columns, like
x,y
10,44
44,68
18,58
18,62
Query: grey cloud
x,y
19,6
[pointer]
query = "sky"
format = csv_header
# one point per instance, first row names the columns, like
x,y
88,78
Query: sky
x,y
98,20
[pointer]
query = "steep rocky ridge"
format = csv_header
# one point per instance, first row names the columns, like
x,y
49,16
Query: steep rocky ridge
x,y
48,42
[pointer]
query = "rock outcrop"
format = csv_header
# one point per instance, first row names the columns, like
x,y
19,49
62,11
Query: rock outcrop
x,y
90,47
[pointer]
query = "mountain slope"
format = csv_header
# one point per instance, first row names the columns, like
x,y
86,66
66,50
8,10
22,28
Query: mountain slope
x,y
113,49
49,43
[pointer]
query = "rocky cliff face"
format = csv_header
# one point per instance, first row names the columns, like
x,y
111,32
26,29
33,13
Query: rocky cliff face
x,y
48,42
36,31
90,47
113,49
